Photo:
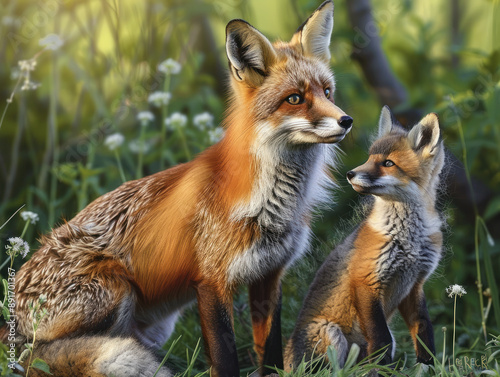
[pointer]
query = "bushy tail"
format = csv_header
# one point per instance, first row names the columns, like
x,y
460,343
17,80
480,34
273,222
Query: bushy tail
x,y
97,356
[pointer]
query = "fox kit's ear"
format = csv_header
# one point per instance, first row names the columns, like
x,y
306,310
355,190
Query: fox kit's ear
x,y
314,34
250,54
425,135
385,121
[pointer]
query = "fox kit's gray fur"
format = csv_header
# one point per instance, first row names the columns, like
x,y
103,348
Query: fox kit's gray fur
x,y
383,265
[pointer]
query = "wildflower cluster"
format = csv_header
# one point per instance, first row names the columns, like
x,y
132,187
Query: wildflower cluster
x,y
169,67
37,313
173,122
26,67
159,99
17,246
114,141
176,120
145,117
455,290
51,42
32,217
204,120
139,146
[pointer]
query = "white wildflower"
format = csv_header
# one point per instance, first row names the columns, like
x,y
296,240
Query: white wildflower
x,y
159,99
29,85
455,290
27,65
176,120
139,146
32,217
51,42
145,117
203,121
114,141
17,246
215,135
169,67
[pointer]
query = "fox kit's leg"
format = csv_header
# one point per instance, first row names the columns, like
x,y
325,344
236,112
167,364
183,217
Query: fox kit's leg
x,y
216,316
414,311
373,323
265,309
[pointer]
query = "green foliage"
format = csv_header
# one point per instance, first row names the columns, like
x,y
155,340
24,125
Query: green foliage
x,y
54,159
5,371
40,364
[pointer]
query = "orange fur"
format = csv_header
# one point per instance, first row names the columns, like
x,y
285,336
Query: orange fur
x,y
383,264
237,214
363,262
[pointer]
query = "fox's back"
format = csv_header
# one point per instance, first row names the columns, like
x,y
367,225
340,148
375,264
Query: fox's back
x,y
95,243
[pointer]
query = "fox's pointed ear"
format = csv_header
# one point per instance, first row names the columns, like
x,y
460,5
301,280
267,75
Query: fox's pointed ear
x,y
425,135
385,121
314,34
249,52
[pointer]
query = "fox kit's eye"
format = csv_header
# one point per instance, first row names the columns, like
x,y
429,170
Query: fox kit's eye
x,y
388,163
295,99
328,93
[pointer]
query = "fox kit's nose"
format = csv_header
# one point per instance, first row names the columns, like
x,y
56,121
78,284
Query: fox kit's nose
x,y
350,174
345,121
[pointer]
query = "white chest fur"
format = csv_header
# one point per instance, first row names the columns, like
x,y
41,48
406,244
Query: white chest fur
x,y
410,254
289,185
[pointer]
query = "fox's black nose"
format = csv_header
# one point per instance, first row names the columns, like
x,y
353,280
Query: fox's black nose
x,y
345,121
350,174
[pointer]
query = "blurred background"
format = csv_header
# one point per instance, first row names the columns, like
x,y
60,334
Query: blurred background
x,y
74,73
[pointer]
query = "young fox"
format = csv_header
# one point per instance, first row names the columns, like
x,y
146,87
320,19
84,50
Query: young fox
x,y
117,274
383,265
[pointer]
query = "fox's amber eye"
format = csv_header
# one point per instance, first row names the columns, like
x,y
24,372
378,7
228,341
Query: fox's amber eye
x,y
328,93
388,163
295,99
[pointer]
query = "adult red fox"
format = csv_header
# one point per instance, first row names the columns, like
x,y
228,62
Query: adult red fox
x,y
383,265
117,274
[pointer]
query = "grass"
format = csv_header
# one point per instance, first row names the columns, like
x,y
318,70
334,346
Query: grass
x,y
54,160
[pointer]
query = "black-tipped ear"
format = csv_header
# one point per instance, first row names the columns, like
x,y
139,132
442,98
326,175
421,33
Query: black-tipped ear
x,y
315,33
425,135
250,53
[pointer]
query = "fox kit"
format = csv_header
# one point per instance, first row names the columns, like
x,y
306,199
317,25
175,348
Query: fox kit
x,y
383,265
117,274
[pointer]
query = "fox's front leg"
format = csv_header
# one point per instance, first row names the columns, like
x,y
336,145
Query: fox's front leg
x,y
414,311
265,306
216,316
373,323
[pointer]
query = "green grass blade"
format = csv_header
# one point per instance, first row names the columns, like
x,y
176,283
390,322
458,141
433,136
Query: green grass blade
x,y
490,275
167,355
